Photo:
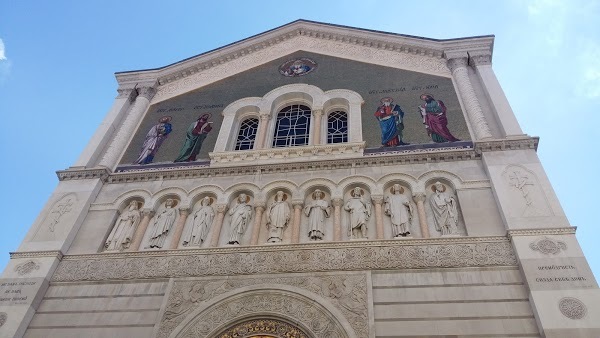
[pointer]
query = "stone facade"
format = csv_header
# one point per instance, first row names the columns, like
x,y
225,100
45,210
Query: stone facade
x,y
348,239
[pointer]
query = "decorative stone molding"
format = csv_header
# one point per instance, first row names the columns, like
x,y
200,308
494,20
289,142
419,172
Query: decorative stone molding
x,y
267,327
146,92
36,254
548,246
337,202
572,308
304,153
508,144
542,232
83,174
477,59
3,318
346,291
26,268
336,256
129,93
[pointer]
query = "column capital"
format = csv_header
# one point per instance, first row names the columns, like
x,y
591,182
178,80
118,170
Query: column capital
x,y
458,62
264,116
419,197
146,92
260,205
317,112
184,211
298,204
480,59
337,202
221,208
377,199
127,92
147,212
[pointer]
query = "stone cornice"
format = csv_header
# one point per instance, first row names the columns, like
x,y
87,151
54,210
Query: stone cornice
x,y
75,173
541,232
332,256
37,254
507,144
320,32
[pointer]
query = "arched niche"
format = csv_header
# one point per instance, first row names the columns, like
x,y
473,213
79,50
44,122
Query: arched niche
x,y
200,217
450,190
366,190
270,196
309,202
405,189
166,214
233,198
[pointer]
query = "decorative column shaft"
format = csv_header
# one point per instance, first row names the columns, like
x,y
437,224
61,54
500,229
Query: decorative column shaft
x,y
420,198
296,221
183,214
337,218
262,131
218,224
378,201
141,229
458,67
259,209
318,114
118,144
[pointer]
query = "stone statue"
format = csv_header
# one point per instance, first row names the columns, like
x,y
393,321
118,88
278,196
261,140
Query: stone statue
x,y
201,223
317,211
360,211
398,207
445,212
163,222
122,232
278,216
240,218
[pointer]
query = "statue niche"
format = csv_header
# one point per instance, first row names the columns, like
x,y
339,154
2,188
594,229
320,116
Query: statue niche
x,y
122,232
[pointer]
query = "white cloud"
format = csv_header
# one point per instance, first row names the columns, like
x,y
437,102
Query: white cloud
x,y
551,17
589,59
2,53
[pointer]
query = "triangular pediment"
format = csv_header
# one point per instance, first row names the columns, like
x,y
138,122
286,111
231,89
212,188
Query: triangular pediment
x,y
380,48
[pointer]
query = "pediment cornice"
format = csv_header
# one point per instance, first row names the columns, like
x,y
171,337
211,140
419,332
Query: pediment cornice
x,y
392,50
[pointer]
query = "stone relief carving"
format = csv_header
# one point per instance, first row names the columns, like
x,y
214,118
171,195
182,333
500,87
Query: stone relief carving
x,y
346,292
572,308
548,246
256,328
360,211
163,222
278,216
445,210
525,189
26,268
122,232
400,210
201,222
60,213
241,214
3,318
459,252
317,211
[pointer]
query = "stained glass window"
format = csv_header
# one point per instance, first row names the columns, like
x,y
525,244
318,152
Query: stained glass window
x,y
247,134
337,127
292,126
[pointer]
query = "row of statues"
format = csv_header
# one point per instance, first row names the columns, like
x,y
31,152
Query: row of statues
x,y
278,214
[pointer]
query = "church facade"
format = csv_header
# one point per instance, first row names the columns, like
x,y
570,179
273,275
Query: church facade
x,y
311,181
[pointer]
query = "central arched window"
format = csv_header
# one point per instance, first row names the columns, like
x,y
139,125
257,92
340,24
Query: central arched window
x,y
337,127
247,134
292,127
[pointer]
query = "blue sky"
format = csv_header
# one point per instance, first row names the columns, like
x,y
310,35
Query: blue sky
x,y
58,58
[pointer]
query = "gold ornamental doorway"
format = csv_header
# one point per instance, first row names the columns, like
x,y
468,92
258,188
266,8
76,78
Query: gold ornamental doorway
x,y
263,328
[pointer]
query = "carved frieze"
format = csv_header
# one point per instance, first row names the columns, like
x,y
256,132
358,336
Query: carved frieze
x,y
548,246
27,267
450,252
347,292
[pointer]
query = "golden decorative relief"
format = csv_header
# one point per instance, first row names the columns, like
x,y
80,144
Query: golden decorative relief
x,y
263,328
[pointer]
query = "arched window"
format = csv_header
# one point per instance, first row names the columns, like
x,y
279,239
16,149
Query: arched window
x,y
337,127
292,126
247,134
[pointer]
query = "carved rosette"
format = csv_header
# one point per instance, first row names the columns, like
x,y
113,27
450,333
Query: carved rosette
x,y
548,246
27,267
572,308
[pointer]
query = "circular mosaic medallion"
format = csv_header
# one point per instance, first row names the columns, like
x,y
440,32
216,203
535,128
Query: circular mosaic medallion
x,y
572,308
297,67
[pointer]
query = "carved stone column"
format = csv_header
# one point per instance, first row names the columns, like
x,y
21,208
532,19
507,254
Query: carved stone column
x,y
378,201
419,199
259,208
337,218
296,221
141,229
118,144
262,131
218,224
317,115
458,67
183,214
